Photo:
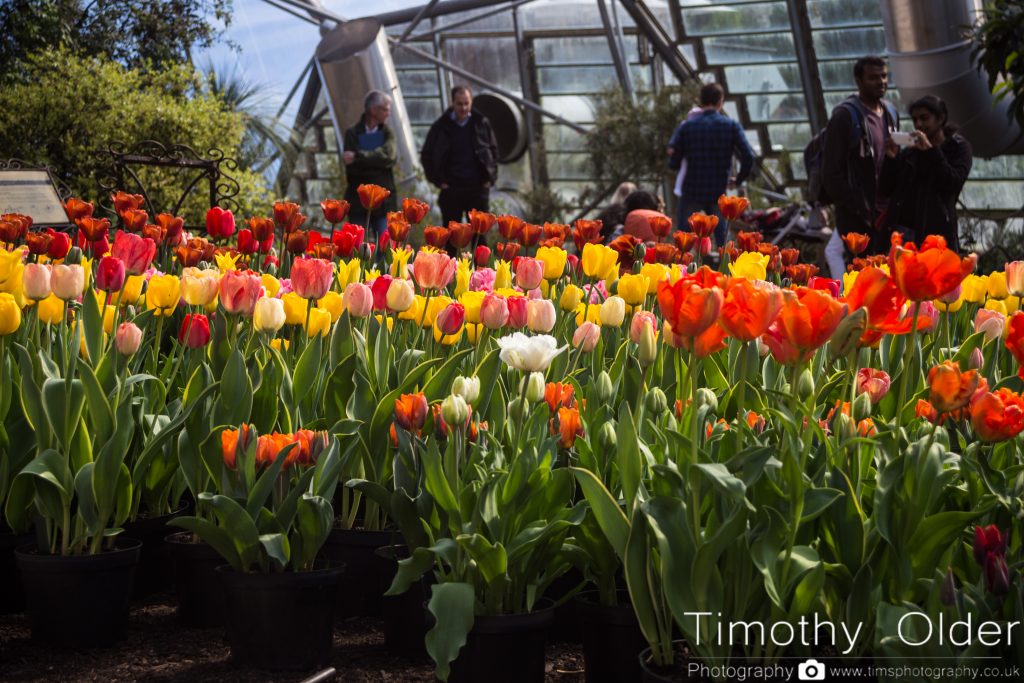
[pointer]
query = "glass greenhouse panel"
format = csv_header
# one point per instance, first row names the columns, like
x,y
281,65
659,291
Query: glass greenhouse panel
x,y
559,138
418,83
789,136
568,166
722,19
833,13
579,50
575,108
762,79
495,22
493,59
546,15
405,58
790,107
979,195
578,79
763,47
423,110
1008,166
853,42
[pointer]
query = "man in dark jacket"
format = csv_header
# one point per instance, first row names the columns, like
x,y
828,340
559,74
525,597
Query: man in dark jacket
x,y
852,157
460,156
370,156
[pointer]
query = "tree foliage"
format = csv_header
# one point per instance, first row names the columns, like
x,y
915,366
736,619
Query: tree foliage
x,y
999,44
70,106
628,141
136,33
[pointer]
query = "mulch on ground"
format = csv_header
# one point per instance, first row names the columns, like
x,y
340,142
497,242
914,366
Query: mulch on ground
x,y
158,649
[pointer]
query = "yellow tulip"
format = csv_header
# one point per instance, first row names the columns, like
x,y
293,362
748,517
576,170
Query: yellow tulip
x,y
132,290
381,318
675,273
436,305
571,298
108,319
502,275
473,332
400,262
163,294
12,267
294,309
319,322
271,284
545,288
599,262
348,272
633,288
472,301
849,278
974,288
51,310
10,314
508,291
447,340
1012,304
996,305
949,308
613,311
655,273
332,304
593,314
226,261
199,287
462,274
414,312
371,275
554,259
87,270
751,265
280,344
997,285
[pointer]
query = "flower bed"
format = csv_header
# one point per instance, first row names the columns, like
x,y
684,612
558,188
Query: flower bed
x,y
755,445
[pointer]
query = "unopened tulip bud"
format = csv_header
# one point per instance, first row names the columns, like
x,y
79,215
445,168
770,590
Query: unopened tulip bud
x,y
947,593
847,334
607,439
639,251
358,299
976,360
540,315
805,385
861,406
67,282
648,346
454,410
534,387
74,256
605,388
656,402
706,397
844,426
401,295
468,388
570,298
127,339
515,409
586,337
268,316
670,421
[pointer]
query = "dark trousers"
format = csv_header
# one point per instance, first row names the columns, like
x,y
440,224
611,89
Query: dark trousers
x,y
456,202
686,207
378,221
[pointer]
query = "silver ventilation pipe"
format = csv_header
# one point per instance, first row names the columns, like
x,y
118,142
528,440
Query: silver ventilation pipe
x,y
930,54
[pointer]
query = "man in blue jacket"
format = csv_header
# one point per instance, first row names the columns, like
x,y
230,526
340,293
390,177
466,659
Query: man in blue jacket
x,y
708,143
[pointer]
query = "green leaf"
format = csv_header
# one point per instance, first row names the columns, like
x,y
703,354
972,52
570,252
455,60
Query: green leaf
x,y
609,515
628,455
238,525
277,549
306,370
816,501
440,384
235,404
412,568
92,325
101,417
452,607
491,560
314,519
63,402
217,538
265,482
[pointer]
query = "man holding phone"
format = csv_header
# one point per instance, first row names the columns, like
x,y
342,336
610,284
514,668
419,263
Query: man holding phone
x,y
854,149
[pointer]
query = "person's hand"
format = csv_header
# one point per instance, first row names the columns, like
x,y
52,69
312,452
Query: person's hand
x,y
732,183
444,186
671,151
348,157
921,141
891,148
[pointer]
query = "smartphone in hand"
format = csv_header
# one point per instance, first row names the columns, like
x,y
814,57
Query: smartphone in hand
x,y
902,139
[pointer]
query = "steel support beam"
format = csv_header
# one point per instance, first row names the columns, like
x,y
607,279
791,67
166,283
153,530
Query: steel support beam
x,y
448,7
810,78
416,20
468,20
661,41
616,48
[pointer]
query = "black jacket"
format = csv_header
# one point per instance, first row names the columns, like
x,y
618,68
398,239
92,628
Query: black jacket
x,y
435,149
849,168
923,188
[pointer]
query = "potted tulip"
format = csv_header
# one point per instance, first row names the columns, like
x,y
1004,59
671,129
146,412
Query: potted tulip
x,y
269,525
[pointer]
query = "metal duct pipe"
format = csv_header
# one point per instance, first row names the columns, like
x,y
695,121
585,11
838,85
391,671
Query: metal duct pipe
x,y
930,54
352,59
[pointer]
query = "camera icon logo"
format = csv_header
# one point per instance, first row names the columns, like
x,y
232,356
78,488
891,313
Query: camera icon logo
x,y
811,670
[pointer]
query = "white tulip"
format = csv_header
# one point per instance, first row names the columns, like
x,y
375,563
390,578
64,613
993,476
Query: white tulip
x,y
529,354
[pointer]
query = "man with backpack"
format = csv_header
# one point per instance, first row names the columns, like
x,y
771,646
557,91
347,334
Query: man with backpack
x,y
845,160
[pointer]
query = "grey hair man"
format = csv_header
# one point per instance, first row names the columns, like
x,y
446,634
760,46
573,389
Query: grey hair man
x,y
370,156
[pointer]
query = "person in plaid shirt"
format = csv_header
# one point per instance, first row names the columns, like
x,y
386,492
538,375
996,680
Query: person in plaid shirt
x,y
708,143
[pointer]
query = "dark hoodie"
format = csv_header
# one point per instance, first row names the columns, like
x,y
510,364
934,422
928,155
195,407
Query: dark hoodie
x,y
437,152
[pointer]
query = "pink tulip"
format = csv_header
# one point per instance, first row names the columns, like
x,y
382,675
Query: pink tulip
x,y
529,273
35,281
239,291
127,338
674,340
926,309
357,300
586,337
136,252
951,297
517,317
451,318
433,270
704,246
482,280
992,323
1015,278
636,326
874,383
312,277
540,315
494,311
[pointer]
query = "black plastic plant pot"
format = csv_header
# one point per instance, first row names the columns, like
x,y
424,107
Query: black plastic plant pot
x,y
196,582
653,673
611,638
79,600
283,622
359,590
12,595
154,573
507,648
405,623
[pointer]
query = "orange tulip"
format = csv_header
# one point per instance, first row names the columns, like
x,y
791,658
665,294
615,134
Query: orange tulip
x,y
926,410
481,221
123,201
800,273
950,389
436,236
703,224
172,226
530,234
732,208
660,225
94,229
510,227
398,227
747,310
929,272
807,319
75,208
662,253
262,228
414,210
997,416
876,292
334,210
711,340
569,426
789,256
706,277
856,242
626,246
288,216
1015,339
555,234
133,219
411,412
557,394
685,240
459,234
506,251
372,196
748,240
688,308
268,446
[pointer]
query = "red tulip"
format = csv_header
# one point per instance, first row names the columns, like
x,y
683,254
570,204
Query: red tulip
x,y
732,208
136,252
510,227
451,318
246,242
348,240
60,244
195,331
288,216
482,256
379,288
517,316
239,291
93,228
334,210
38,242
110,274
702,224
124,200
220,223
262,228
1015,339
435,236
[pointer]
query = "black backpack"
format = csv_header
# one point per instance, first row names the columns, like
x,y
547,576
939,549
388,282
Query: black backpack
x,y
814,152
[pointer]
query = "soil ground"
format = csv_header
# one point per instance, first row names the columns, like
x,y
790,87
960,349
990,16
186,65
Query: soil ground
x,y
158,649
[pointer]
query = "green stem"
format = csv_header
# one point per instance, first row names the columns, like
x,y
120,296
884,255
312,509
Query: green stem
x,y
905,379
695,426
